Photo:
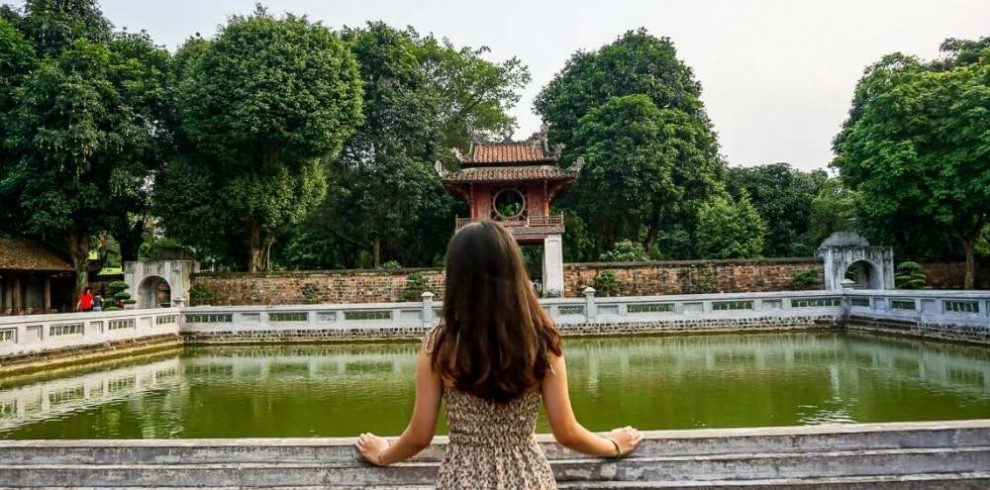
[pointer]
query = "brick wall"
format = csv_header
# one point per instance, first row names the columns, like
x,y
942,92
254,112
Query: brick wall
x,y
650,278
950,275
693,276
343,286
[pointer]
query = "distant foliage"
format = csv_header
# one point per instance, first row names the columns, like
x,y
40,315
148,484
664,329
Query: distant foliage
x,y
804,279
416,285
624,251
729,229
607,284
391,265
910,275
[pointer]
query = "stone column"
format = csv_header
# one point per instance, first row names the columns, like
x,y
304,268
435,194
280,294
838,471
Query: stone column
x,y
47,305
553,266
18,296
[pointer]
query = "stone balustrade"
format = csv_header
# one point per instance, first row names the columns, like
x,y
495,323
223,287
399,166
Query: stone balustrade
x,y
950,315
953,454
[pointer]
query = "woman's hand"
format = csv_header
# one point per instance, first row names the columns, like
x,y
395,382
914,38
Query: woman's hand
x,y
627,438
371,447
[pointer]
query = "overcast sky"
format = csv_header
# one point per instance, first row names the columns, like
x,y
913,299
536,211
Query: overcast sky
x,y
777,75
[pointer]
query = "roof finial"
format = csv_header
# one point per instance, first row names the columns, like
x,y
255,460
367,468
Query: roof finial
x,y
441,170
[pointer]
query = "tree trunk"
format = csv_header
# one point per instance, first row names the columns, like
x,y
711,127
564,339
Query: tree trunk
x,y
970,278
78,245
255,248
377,250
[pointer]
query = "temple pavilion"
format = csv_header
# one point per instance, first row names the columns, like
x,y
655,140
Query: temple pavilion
x,y
514,183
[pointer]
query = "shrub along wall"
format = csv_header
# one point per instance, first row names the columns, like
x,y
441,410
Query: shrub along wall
x,y
636,278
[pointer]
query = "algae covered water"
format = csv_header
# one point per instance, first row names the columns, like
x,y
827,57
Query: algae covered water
x,y
674,382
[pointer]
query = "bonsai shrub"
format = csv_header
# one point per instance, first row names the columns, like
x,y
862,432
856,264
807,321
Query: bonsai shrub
x,y
909,275
416,285
201,294
804,279
116,290
607,284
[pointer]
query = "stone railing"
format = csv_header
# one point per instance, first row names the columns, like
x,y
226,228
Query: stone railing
x,y
954,315
28,335
951,454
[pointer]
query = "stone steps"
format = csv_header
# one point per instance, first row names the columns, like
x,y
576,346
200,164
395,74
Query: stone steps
x,y
902,455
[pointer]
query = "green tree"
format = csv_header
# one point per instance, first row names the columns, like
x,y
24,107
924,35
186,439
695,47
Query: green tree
x,y
729,229
917,143
783,196
83,139
644,167
636,63
263,108
421,97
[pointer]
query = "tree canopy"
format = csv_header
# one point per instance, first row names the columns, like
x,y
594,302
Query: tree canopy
x,y
917,143
81,135
264,107
643,167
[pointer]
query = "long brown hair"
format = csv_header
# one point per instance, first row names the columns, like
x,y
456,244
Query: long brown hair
x,y
495,337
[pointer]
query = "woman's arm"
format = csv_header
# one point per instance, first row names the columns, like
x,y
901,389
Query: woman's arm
x,y
566,429
422,425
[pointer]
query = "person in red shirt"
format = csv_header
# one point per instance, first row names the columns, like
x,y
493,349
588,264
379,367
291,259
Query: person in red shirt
x,y
85,300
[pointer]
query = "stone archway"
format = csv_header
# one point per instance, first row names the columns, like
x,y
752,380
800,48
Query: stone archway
x,y
845,251
865,274
154,292
146,278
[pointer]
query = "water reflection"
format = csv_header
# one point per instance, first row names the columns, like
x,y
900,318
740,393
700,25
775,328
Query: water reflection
x,y
657,382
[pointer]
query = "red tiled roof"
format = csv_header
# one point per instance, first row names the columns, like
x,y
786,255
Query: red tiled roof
x,y
509,152
509,174
22,254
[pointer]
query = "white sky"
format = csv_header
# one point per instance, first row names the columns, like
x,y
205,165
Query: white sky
x,y
777,75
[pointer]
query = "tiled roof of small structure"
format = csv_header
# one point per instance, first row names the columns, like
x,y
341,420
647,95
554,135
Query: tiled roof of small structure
x,y
512,152
510,173
24,254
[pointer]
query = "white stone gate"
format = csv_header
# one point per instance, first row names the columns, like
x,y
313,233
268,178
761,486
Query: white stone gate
x,y
845,250
144,279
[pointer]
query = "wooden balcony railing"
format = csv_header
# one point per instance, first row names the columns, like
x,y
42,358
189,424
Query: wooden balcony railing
x,y
536,223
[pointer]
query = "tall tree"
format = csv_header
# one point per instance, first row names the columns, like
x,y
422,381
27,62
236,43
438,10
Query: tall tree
x,y
832,209
783,197
636,63
265,106
82,132
421,97
644,165
917,145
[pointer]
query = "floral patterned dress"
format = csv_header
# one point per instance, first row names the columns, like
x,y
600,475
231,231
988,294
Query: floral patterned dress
x,y
493,446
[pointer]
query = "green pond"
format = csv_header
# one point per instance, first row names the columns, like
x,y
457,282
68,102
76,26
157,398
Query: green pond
x,y
672,382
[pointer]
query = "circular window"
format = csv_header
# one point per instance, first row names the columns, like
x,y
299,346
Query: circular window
x,y
509,203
